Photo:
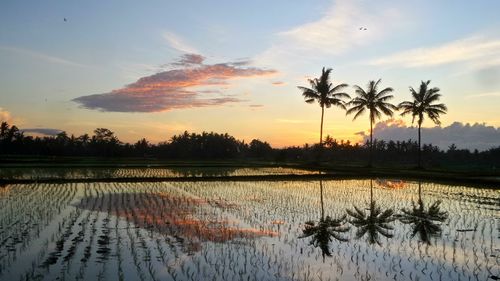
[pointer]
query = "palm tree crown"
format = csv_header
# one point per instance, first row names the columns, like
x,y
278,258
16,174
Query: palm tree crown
x,y
323,92
375,102
423,104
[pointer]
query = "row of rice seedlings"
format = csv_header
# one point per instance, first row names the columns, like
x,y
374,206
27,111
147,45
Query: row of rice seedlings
x,y
34,213
287,205
70,234
205,189
87,173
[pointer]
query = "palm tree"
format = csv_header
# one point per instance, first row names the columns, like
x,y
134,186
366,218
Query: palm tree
x,y
373,101
326,229
327,95
374,223
423,104
425,222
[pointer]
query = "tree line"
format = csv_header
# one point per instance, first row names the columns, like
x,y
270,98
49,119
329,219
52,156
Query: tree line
x,y
104,143
372,100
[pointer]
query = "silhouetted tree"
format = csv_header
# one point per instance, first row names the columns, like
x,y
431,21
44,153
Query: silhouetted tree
x,y
260,149
375,102
323,92
421,105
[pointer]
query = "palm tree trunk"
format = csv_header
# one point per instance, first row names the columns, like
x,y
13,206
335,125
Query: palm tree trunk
x,y
371,143
321,128
419,150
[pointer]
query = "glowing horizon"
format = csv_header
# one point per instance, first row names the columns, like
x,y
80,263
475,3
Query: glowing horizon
x,y
159,70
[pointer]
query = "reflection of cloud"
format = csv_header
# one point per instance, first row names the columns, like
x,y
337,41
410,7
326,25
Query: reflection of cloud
x,y
475,48
42,131
176,216
40,56
5,116
169,90
390,184
476,136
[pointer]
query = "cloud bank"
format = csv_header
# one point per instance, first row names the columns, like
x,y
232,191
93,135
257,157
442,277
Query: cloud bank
x,y
173,89
464,136
42,131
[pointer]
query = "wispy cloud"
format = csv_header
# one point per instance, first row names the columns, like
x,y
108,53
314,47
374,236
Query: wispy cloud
x,y
40,56
293,121
174,89
178,43
335,32
278,83
481,95
479,49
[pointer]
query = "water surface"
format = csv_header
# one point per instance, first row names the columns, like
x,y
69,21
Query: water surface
x,y
280,230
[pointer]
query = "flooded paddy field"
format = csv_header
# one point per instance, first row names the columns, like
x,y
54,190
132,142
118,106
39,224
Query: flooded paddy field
x,y
43,173
280,230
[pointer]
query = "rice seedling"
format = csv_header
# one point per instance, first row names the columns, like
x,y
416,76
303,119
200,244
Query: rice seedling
x,y
240,230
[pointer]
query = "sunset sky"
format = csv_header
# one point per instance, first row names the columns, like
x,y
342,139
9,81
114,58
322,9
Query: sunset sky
x,y
157,68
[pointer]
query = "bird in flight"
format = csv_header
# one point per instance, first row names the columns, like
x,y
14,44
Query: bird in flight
x,y
362,28
65,19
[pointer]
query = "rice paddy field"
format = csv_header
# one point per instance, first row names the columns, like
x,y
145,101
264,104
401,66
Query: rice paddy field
x,y
230,230
30,173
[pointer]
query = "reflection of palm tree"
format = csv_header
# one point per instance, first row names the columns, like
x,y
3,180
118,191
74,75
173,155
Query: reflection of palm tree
x,y
423,104
374,223
424,222
375,102
323,92
326,229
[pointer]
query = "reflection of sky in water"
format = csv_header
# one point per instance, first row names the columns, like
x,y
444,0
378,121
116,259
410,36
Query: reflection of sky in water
x,y
86,173
240,230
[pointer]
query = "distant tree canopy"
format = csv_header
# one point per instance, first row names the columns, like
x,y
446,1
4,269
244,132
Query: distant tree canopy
x,y
104,143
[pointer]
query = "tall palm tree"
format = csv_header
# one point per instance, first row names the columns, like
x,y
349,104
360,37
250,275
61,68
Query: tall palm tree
x,y
423,104
375,102
425,221
326,229
374,223
327,95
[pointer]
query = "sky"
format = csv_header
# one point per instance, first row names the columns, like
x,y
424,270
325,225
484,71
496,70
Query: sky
x,y
159,68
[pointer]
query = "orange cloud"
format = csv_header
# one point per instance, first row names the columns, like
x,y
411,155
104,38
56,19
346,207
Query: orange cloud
x,y
170,89
278,83
5,116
